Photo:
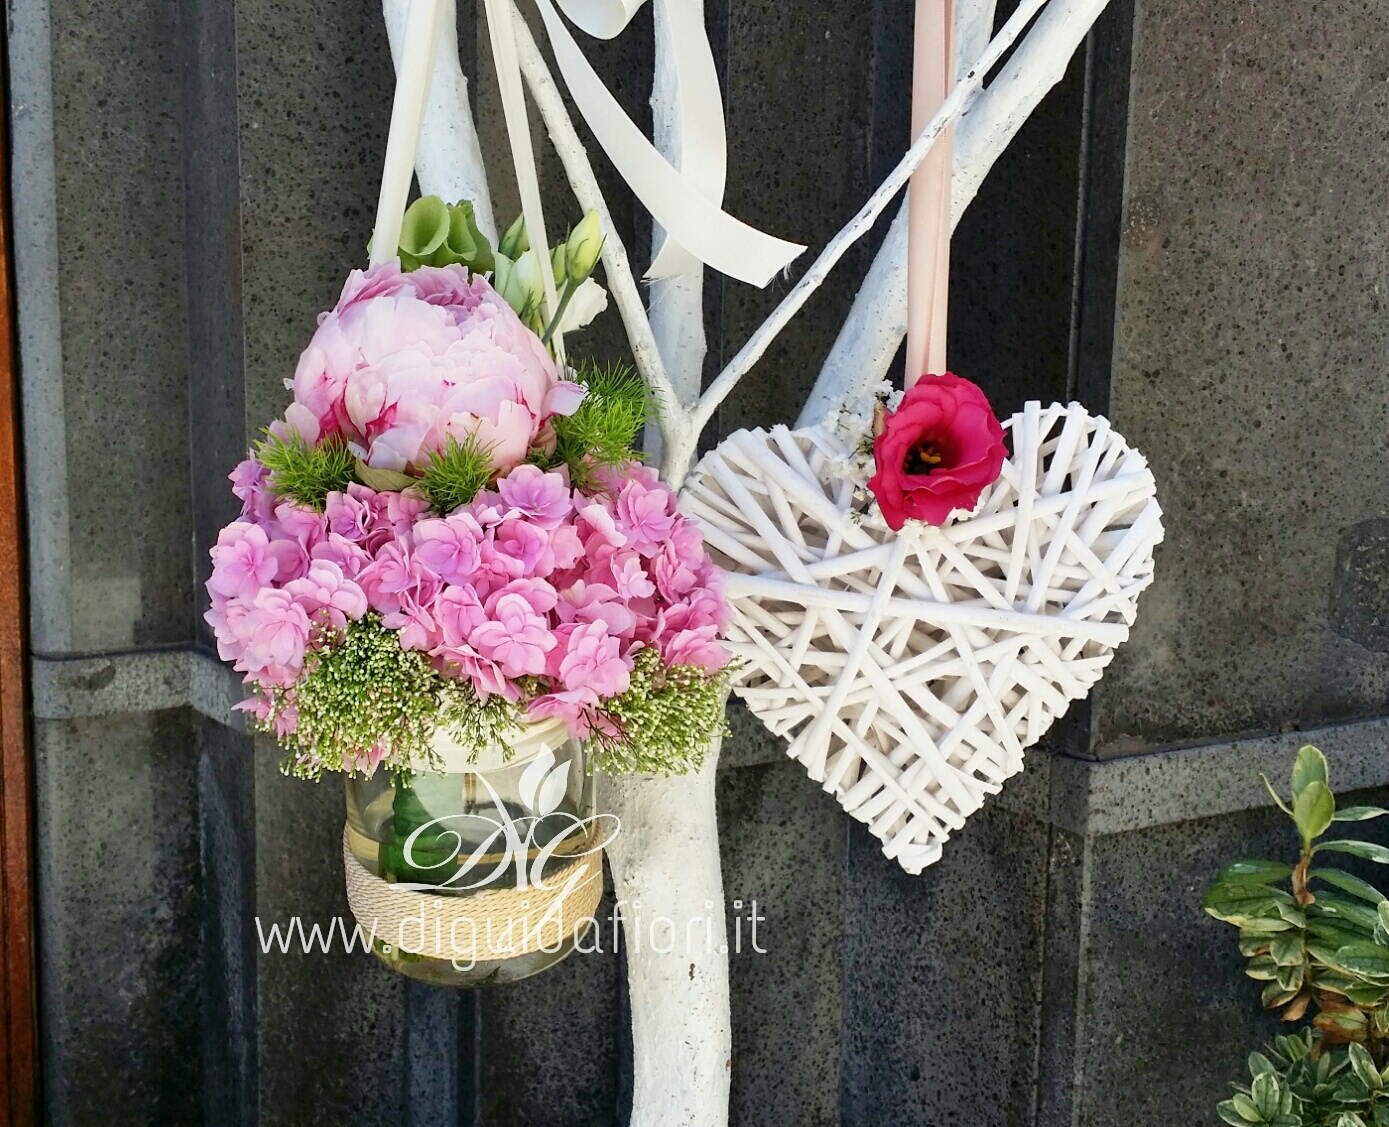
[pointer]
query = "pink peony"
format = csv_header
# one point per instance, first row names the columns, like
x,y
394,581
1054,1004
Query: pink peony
x,y
404,361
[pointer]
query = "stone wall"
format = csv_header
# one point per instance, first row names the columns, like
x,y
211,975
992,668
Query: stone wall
x,y
1187,235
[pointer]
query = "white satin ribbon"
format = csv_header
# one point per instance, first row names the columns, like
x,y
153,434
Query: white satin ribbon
x,y
684,199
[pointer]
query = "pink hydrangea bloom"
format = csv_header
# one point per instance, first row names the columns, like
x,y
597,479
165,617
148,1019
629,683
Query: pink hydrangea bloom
x,y
593,662
544,499
404,361
327,595
647,515
534,580
517,638
449,548
241,562
276,632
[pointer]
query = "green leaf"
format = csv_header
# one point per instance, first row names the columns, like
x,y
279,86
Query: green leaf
x,y
1309,767
1229,1114
1268,786
1247,1108
1365,959
1359,813
1274,996
1259,1064
1313,810
1366,849
1348,883
1338,907
1363,1065
1290,978
1367,995
383,481
1252,872
1264,1092
1287,949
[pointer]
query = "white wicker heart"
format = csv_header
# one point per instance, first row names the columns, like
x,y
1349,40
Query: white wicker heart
x,y
911,669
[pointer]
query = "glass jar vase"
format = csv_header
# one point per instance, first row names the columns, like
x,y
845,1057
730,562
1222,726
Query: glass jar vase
x,y
488,872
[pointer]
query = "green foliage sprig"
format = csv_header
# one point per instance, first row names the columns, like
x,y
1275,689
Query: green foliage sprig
x,y
603,432
306,473
663,723
456,474
1319,939
360,692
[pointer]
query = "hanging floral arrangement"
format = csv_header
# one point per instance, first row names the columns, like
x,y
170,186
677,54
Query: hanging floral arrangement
x,y
449,540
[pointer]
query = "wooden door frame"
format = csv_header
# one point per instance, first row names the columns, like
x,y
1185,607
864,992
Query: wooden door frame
x,y
18,1013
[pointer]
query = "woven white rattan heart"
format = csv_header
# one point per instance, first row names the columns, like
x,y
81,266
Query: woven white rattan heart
x,y
911,669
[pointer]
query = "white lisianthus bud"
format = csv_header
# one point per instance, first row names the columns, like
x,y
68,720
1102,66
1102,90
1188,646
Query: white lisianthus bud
x,y
583,247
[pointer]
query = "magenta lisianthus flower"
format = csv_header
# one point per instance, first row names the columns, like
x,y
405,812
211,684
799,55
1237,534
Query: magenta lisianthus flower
x,y
404,361
593,662
936,453
517,638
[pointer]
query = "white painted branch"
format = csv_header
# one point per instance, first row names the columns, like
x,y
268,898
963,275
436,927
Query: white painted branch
x,y
621,282
974,25
665,865
677,303
667,856
857,227
449,163
874,328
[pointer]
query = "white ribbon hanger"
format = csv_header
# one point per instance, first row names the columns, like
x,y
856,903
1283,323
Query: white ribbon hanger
x,y
686,199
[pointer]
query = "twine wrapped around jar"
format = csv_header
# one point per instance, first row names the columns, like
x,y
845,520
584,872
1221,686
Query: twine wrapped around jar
x,y
486,926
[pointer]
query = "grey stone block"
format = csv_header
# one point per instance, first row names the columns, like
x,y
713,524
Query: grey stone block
x,y
118,919
1248,331
121,274
798,144
782,843
212,234
941,976
314,82
332,1042
226,795
546,1048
